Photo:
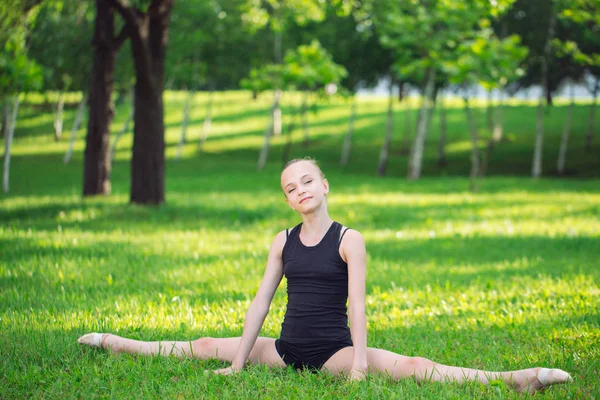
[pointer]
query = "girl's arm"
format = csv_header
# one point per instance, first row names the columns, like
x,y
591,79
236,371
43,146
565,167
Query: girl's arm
x,y
354,252
262,301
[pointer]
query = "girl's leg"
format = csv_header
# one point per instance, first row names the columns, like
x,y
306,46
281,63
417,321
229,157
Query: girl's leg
x,y
263,352
422,369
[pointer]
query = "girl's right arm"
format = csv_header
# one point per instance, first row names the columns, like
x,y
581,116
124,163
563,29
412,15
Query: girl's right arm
x,y
262,301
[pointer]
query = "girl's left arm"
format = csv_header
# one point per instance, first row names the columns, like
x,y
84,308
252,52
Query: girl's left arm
x,y
353,248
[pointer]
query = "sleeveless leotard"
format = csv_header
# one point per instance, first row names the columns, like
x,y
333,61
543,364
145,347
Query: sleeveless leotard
x,y
315,325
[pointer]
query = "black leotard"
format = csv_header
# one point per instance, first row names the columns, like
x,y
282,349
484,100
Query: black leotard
x,y
315,325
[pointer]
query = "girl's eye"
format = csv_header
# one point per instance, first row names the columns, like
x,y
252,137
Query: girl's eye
x,y
307,182
290,191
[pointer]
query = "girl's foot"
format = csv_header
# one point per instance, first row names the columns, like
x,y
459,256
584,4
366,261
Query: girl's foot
x,y
538,379
92,339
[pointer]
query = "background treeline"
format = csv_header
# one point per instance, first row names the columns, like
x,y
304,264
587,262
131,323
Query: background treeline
x,y
114,51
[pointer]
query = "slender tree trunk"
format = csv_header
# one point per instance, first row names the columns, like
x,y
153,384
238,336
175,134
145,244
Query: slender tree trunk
x,y
590,133
489,113
8,138
348,138
443,133
408,127
123,131
389,130
498,121
5,114
278,55
475,163
305,118
536,168
264,153
285,155
564,143
186,117
76,124
96,176
207,120
416,154
148,32
58,118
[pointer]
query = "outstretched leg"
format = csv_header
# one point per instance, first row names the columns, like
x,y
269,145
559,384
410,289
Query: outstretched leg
x,y
263,352
422,369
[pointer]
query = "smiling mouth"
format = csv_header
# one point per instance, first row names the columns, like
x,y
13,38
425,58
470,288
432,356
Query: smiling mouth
x,y
306,198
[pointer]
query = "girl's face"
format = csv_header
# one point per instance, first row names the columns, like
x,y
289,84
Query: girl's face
x,y
303,186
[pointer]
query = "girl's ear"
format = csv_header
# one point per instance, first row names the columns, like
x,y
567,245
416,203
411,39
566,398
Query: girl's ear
x,y
326,183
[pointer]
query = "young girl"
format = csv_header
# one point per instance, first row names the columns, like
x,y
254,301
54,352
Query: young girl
x,y
325,265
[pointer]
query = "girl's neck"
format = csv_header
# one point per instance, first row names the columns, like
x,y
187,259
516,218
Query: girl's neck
x,y
316,224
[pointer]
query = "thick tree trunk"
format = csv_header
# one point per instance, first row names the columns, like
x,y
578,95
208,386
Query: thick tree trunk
x,y
8,138
489,113
149,32
348,138
186,117
124,130
389,130
78,118
536,168
475,162
590,133
443,133
96,175
416,154
564,143
264,152
207,120
58,118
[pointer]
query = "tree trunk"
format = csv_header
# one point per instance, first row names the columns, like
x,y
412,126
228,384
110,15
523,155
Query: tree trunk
x,y
8,138
590,133
389,130
96,176
285,155
124,130
405,146
348,139
536,168
149,32
264,152
416,154
489,113
78,118
5,114
443,133
278,56
207,120
564,143
303,112
474,145
184,123
498,125
58,118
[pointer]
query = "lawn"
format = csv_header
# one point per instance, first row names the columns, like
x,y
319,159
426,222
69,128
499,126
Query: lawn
x,y
501,279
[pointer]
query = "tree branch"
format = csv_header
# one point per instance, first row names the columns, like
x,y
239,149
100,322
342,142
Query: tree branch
x,y
121,37
127,13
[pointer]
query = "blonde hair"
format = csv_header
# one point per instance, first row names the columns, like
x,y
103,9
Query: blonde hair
x,y
310,160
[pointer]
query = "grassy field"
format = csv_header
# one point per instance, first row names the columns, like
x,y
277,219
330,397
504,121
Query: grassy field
x,y
501,279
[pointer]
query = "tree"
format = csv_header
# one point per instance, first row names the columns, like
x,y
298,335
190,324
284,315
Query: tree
x,y
147,28
96,173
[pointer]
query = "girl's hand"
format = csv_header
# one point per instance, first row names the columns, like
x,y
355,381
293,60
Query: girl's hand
x,y
357,374
226,371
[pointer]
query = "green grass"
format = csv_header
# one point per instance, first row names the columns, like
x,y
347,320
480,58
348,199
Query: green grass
x,y
501,279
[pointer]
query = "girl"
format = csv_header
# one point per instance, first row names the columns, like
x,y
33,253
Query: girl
x,y
325,265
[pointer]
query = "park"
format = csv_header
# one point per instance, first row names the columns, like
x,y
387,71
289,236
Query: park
x,y
143,144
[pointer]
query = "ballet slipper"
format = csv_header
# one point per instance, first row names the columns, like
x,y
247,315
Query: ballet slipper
x,y
549,377
91,339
